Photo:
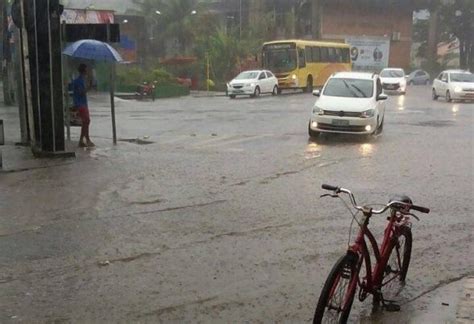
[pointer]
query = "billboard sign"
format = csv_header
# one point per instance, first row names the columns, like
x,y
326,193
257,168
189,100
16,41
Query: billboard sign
x,y
369,53
83,16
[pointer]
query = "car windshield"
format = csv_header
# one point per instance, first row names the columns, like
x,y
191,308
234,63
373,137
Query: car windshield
x,y
391,73
462,77
279,60
350,88
247,75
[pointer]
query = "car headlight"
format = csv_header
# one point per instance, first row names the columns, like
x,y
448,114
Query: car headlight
x,y
457,89
318,110
368,113
293,76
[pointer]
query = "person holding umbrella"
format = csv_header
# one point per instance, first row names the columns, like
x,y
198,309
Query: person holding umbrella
x,y
95,50
80,102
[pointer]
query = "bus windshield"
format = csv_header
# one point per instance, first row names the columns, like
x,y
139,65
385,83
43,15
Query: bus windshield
x,y
279,60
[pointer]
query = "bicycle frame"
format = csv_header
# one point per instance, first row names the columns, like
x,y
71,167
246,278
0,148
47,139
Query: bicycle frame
x,y
359,248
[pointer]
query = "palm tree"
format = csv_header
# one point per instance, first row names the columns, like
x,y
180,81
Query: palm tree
x,y
171,20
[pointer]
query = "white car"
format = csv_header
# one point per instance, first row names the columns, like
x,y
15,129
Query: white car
x,y
253,83
350,102
454,85
393,79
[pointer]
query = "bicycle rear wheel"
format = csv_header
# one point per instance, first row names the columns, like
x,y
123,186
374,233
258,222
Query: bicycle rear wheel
x,y
335,301
395,271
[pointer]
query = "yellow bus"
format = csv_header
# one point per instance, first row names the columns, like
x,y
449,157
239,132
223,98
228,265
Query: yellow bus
x,y
304,64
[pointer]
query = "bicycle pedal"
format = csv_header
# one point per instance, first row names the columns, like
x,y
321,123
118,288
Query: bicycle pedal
x,y
391,307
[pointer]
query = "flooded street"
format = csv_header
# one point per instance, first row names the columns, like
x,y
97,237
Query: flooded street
x,y
208,210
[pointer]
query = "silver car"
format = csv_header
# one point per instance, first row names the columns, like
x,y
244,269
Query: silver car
x,y
253,83
418,77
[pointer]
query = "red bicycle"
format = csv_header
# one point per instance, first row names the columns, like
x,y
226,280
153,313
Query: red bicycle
x,y
354,269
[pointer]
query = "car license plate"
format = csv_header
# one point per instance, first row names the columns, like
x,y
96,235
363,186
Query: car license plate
x,y
238,91
340,122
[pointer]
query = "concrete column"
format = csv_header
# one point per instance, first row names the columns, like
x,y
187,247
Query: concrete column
x,y
6,63
42,20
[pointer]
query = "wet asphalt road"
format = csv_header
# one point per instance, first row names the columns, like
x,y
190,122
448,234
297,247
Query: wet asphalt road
x,y
218,219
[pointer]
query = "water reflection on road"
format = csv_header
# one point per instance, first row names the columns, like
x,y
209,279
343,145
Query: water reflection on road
x,y
366,149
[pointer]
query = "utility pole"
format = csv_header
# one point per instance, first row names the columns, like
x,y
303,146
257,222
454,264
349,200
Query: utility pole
x,y
432,49
316,19
240,19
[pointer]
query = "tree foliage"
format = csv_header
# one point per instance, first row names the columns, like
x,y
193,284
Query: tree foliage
x,y
456,20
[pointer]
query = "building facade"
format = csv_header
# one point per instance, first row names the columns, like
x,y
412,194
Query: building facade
x,y
381,31
389,27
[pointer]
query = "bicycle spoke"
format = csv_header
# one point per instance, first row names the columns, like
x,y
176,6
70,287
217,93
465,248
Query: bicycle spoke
x,y
337,297
391,282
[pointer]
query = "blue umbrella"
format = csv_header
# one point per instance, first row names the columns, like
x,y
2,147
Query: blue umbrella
x,y
93,50
98,51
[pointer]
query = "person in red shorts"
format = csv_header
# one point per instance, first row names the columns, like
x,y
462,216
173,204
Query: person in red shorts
x,y
80,102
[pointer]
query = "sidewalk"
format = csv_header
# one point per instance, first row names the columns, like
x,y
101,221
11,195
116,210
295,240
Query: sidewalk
x,y
465,310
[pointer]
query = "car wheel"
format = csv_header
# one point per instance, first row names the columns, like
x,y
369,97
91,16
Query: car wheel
x,y
232,96
434,96
380,128
448,96
312,133
256,92
275,91
309,85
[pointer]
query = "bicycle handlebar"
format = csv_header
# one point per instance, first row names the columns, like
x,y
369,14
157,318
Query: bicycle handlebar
x,y
392,204
420,209
329,187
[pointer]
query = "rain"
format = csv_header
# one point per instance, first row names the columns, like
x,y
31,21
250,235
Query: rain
x,y
183,161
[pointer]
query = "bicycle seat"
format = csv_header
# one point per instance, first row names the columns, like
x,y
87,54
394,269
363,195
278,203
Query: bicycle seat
x,y
402,198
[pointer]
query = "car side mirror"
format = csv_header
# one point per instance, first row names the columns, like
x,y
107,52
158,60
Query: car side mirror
x,y
317,93
382,96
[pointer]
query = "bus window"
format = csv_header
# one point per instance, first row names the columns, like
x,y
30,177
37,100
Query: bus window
x,y
332,54
316,54
338,55
307,51
324,54
301,58
345,55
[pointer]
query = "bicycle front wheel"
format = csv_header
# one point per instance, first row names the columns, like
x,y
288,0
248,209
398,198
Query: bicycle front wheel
x,y
336,298
395,271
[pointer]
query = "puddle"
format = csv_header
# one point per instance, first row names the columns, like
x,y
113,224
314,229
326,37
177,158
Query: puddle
x,y
436,123
136,141
312,151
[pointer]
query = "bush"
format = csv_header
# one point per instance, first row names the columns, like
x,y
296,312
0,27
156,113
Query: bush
x,y
128,77
161,76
